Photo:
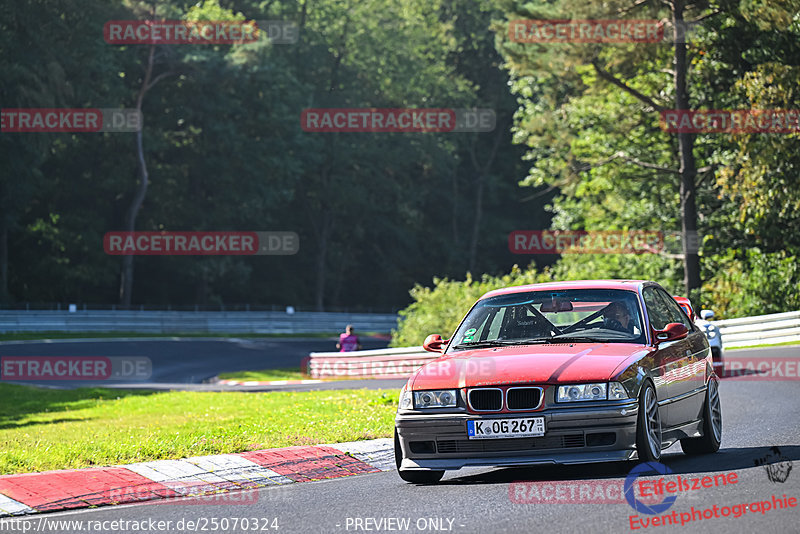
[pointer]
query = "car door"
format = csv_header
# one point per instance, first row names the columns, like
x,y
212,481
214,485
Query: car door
x,y
686,376
667,355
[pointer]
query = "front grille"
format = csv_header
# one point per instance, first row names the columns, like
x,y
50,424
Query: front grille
x,y
506,445
574,440
523,398
486,400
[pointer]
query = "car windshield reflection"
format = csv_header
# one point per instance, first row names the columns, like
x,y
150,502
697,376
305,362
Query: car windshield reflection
x,y
539,317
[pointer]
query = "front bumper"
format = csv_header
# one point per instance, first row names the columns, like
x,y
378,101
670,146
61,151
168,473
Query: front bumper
x,y
573,435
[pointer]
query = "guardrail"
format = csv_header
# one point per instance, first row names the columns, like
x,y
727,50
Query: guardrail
x,y
760,329
380,363
167,322
400,363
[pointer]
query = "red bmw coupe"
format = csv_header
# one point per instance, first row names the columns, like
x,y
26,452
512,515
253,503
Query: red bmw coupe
x,y
560,373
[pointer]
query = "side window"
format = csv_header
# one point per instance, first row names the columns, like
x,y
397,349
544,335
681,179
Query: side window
x,y
674,310
656,310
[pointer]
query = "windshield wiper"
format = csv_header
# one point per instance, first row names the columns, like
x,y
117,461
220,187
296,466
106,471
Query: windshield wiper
x,y
532,341
479,344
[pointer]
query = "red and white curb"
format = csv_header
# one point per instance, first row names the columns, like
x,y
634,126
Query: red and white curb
x,y
202,475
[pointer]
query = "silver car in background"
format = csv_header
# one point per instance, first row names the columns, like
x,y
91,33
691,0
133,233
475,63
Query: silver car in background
x,y
712,333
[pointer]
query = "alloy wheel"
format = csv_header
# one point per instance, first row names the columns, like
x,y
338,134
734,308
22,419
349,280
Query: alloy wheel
x,y
653,421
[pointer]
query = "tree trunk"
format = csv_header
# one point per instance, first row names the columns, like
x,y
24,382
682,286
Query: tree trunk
x,y
324,229
688,166
476,222
4,296
323,237
126,283
482,171
455,207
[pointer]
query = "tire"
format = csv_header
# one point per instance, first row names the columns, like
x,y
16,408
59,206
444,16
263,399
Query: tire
x,y
648,426
712,424
414,477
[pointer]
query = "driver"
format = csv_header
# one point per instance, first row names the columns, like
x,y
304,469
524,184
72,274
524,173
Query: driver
x,y
617,317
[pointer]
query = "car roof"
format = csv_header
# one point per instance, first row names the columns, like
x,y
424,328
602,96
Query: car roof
x,y
628,285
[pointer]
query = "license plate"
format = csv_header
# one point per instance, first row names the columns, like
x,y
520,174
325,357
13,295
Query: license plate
x,y
527,427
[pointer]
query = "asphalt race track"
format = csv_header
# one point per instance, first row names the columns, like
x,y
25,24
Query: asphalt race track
x,y
758,417
186,363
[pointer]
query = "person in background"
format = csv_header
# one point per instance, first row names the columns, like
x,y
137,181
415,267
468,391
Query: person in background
x,y
348,341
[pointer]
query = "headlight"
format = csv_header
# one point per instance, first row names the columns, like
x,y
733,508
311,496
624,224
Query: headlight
x,y
445,398
590,392
405,400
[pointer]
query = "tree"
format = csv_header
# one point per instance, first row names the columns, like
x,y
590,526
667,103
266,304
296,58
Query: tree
x,y
591,110
39,31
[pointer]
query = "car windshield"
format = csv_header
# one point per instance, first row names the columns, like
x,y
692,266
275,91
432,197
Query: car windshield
x,y
573,315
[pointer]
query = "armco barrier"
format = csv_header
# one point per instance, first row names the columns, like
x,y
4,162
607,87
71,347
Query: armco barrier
x,y
166,322
760,330
380,363
400,363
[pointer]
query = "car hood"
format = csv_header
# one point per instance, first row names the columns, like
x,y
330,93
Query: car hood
x,y
524,364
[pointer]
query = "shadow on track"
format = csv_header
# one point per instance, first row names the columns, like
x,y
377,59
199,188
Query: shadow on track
x,y
725,460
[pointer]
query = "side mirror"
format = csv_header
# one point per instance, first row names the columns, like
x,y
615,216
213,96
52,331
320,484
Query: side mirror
x,y
671,332
434,343
706,315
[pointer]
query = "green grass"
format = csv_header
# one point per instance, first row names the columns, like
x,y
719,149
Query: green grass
x,y
43,429
266,375
292,373
785,343
25,336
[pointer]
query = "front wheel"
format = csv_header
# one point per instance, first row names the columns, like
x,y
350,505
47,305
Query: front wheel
x,y
648,427
412,476
712,425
